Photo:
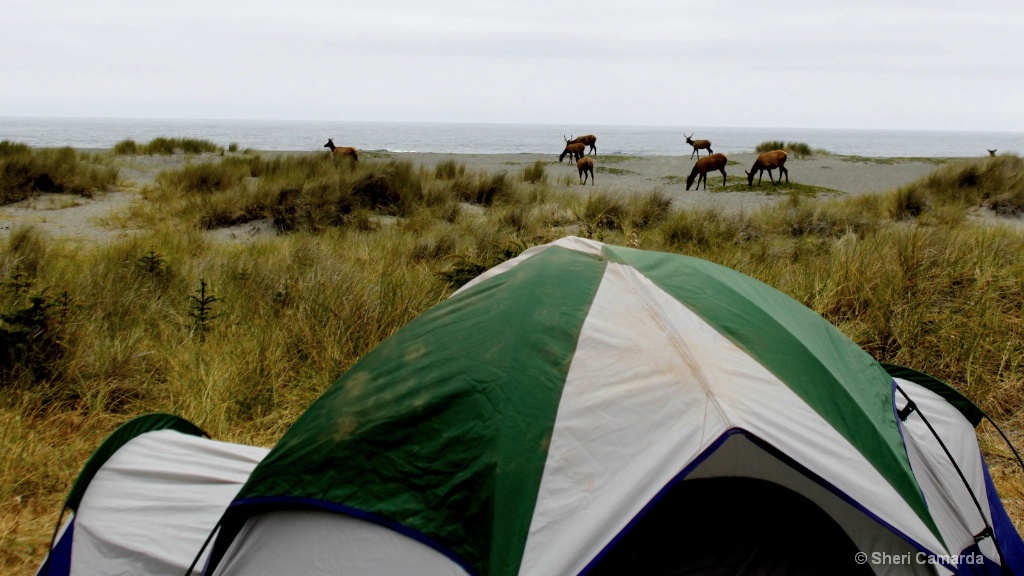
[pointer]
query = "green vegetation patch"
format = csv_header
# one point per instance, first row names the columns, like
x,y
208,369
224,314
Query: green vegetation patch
x,y
796,149
26,172
996,183
167,146
613,171
894,160
613,159
792,188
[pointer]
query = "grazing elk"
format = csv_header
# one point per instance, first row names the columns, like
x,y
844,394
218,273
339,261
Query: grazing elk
x,y
698,145
992,152
586,168
342,151
768,161
705,165
573,149
588,140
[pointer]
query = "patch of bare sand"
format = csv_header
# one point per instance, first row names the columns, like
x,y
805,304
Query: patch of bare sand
x,y
96,219
667,174
69,217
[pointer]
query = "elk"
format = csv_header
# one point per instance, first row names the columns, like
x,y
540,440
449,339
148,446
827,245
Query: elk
x,y
705,165
588,140
573,149
992,152
698,145
342,151
768,161
586,168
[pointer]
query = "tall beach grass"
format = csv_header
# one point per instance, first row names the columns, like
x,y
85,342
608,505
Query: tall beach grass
x,y
97,336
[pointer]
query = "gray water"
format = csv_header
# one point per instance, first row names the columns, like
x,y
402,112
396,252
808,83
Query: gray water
x,y
496,138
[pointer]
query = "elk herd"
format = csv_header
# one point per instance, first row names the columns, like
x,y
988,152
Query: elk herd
x,y
577,149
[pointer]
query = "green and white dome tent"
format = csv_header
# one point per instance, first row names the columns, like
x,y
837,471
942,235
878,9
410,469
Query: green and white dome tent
x,y
587,408
570,407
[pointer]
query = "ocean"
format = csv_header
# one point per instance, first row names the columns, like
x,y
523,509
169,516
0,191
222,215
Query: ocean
x,y
286,135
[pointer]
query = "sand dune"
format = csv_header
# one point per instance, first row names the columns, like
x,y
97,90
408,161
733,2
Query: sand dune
x,y
84,219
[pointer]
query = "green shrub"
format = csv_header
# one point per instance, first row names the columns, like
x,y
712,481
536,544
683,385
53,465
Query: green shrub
x,y
996,183
126,147
25,172
603,210
769,145
647,210
449,170
204,177
535,173
8,149
797,149
167,146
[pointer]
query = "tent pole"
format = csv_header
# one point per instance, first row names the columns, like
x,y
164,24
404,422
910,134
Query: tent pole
x,y
1005,439
989,531
201,549
53,539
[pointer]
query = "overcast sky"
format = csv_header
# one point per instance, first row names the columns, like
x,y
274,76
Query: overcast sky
x,y
896,64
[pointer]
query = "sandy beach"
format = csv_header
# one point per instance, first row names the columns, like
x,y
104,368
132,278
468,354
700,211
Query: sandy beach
x,y
90,219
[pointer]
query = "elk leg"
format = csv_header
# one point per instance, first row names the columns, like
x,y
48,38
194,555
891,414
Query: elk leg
x,y
783,170
723,176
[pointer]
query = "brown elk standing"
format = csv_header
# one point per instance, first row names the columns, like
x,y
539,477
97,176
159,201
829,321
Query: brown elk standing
x,y
705,165
992,152
586,168
698,145
342,151
769,161
573,149
588,140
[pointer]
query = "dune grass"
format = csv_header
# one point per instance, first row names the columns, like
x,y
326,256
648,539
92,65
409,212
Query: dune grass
x,y
797,149
241,338
27,172
166,146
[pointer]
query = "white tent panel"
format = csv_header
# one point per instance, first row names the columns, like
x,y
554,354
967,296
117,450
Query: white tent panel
x,y
321,543
950,501
608,458
151,506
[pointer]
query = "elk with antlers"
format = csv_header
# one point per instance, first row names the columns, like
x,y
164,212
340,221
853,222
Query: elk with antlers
x,y
768,161
586,169
342,151
573,149
588,140
698,145
705,165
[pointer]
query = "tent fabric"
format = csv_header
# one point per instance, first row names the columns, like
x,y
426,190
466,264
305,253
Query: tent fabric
x,y
319,542
151,503
125,433
577,409
531,420
774,537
